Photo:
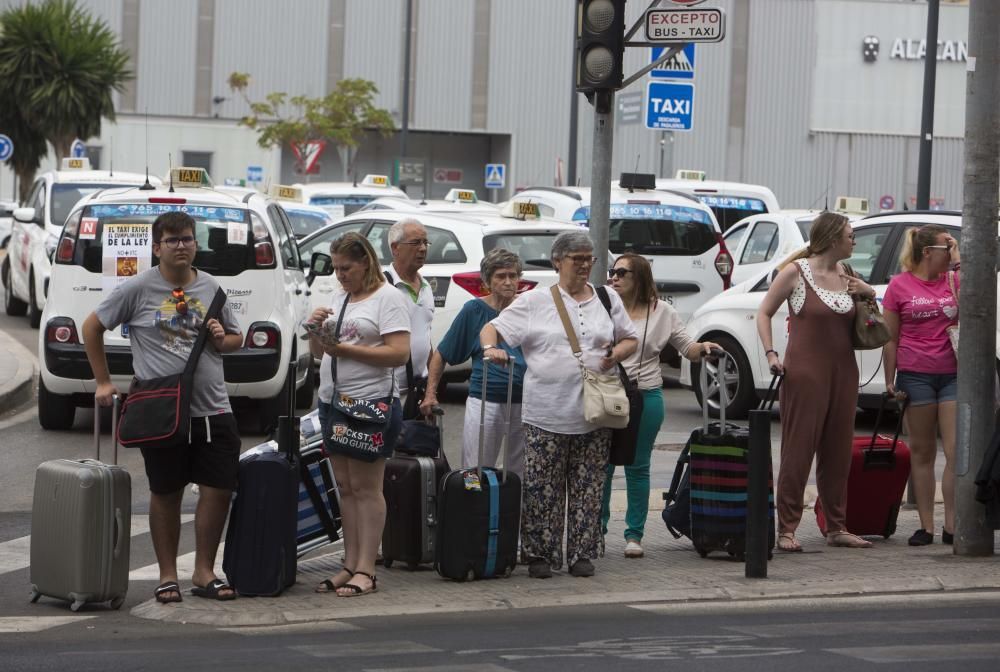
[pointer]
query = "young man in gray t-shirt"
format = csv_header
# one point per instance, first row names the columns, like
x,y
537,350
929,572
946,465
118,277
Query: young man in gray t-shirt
x,y
164,308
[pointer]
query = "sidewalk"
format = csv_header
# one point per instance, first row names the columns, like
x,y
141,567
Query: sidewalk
x,y
671,572
16,373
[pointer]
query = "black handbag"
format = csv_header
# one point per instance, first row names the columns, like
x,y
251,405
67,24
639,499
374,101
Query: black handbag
x,y
157,411
420,438
624,440
357,426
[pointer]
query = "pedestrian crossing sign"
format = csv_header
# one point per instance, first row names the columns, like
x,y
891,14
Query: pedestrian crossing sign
x,y
496,175
681,66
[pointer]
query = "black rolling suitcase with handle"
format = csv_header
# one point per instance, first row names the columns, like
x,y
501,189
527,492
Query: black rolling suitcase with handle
x,y
410,488
260,557
479,514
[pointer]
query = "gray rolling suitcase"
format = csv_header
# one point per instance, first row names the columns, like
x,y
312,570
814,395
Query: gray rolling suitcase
x,y
81,528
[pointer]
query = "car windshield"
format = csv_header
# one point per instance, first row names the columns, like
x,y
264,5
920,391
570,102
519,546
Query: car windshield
x,y
804,226
731,209
341,206
304,223
65,196
224,246
532,248
667,230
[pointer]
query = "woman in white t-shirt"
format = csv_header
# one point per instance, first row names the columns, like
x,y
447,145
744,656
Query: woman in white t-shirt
x,y
564,455
365,334
657,324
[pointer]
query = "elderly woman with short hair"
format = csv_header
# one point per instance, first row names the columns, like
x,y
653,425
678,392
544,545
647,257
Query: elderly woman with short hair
x,y
500,271
565,456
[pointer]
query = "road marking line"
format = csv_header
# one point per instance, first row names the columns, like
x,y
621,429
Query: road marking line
x,y
360,649
812,602
292,628
16,553
489,667
185,567
837,629
15,624
922,653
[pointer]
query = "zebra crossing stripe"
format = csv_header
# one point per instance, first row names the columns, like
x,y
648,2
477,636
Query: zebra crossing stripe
x,y
16,624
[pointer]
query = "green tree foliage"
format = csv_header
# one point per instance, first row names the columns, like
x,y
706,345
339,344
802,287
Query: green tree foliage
x,y
58,68
341,117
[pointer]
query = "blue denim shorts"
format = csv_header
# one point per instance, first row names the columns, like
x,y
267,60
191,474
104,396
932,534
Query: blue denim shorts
x,y
927,388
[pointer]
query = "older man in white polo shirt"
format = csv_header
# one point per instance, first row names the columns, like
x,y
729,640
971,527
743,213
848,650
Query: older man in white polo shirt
x,y
409,245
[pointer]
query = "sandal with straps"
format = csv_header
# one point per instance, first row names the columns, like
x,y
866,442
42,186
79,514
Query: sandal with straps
x,y
845,539
356,590
328,586
788,544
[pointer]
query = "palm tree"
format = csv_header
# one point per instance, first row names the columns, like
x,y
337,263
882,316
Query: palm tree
x,y
60,66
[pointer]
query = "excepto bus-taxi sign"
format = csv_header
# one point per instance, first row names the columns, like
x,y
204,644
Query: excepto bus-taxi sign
x,y
685,25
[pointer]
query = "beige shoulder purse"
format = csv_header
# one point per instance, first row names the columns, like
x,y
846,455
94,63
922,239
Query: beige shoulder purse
x,y
604,400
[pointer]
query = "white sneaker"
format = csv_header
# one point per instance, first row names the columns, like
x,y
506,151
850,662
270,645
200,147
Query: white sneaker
x,y
633,549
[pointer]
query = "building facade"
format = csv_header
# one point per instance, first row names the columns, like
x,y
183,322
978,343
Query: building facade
x,y
813,98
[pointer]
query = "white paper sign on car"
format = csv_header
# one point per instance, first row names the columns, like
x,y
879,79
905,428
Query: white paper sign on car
x,y
127,250
236,233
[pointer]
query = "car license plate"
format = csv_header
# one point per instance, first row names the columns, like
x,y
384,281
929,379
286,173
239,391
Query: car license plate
x,y
668,298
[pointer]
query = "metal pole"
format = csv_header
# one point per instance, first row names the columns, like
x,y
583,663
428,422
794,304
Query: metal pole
x,y
927,115
978,295
405,116
758,474
574,119
600,182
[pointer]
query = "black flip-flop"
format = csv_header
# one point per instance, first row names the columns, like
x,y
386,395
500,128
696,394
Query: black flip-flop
x,y
168,587
213,591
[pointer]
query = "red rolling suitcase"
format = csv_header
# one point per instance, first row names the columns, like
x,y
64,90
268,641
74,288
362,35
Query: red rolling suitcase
x,y
880,467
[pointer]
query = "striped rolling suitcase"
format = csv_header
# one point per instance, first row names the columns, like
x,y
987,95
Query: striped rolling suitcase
x,y
319,501
479,514
718,466
81,520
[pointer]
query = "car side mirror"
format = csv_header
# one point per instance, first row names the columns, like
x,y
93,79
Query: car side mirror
x,y
320,265
25,215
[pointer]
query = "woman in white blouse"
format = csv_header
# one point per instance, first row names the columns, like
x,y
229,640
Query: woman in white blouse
x,y
565,456
657,324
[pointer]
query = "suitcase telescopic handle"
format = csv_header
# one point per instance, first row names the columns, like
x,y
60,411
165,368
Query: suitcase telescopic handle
x,y
902,401
115,404
504,439
719,355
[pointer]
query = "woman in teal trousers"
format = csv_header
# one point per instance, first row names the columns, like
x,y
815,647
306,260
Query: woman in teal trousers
x,y
657,324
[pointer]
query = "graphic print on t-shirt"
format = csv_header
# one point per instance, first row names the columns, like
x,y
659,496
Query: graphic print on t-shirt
x,y
179,327
930,307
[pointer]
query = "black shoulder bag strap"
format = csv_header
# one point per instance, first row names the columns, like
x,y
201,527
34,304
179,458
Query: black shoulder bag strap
x,y
336,334
602,294
213,314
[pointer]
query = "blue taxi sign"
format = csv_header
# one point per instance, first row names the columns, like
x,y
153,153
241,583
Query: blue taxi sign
x,y
669,106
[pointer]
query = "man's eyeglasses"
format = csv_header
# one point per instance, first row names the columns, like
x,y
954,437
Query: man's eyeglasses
x,y
177,296
177,241
581,259
423,242
618,272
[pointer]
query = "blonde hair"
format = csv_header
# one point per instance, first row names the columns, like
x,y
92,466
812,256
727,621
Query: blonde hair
x,y
823,234
356,247
914,242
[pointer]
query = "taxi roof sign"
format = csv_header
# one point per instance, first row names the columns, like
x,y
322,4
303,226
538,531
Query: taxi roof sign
x,y
376,181
284,192
75,163
462,196
520,210
685,174
852,205
189,177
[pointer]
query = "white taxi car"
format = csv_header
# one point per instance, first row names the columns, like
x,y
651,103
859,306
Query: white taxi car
x,y
456,201
6,221
729,201
458,244
730,318
676,232
760,242
343,198
37,227
245,243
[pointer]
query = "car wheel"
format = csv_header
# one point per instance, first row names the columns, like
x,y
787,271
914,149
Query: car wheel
x,y
55,411
738,378
304,395
34,312
12,304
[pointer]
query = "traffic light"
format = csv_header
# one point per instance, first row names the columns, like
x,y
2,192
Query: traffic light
x,y
600,44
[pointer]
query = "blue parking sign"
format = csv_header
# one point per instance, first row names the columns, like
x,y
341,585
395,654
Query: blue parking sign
x,y
669,106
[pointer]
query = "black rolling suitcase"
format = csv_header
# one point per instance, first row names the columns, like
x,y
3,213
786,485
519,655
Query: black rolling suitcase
x,y
261,549
410,488
479,514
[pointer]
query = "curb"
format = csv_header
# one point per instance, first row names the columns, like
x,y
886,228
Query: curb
x,y
20,386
